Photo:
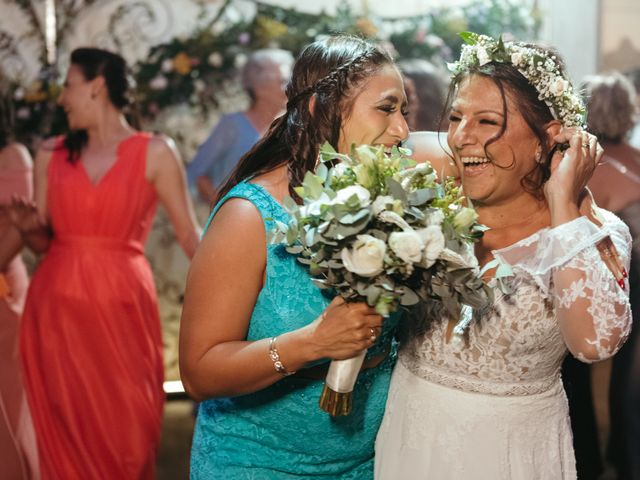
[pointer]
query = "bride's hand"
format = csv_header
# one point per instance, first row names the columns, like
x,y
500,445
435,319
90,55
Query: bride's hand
x,y
570,172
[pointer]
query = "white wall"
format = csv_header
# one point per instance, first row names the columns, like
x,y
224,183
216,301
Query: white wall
x,y
573,27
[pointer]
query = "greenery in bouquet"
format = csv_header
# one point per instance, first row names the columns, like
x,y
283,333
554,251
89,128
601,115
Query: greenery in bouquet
x,y
374,225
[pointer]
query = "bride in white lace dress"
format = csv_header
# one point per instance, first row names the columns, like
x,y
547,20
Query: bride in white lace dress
x,y
491,405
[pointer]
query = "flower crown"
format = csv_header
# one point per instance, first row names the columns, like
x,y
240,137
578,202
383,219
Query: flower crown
x,y
540,70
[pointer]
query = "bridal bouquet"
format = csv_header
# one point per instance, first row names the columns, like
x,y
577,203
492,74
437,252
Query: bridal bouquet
x,y
377,227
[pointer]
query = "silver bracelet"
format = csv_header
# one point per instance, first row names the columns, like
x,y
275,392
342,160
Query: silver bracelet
x,y
275,358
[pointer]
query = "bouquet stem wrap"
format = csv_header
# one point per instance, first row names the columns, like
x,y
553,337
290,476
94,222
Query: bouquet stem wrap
x,y
338,387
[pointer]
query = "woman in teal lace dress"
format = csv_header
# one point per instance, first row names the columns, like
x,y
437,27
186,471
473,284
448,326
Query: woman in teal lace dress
x,y
252,316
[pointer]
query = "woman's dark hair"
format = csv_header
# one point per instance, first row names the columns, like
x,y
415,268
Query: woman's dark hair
x,y
95,62
524,95
327,70
6,115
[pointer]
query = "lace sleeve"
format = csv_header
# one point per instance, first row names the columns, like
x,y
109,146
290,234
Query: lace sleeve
x,y
592,310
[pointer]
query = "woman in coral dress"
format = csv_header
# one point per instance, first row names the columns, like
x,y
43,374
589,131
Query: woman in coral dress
x,y
18,451
91,341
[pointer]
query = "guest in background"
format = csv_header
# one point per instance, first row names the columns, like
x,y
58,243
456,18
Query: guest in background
x,y
90,336
18,451
264,77
612,107
426,91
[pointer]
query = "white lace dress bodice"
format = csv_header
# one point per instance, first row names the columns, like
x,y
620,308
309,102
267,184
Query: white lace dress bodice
x,y
498,392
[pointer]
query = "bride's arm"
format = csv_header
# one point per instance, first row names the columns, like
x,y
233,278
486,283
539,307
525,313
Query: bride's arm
x,y
593,311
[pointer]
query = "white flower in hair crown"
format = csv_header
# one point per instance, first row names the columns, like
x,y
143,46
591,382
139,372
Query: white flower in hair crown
x,y
540,70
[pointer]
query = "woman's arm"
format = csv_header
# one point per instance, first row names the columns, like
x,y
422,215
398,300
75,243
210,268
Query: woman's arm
x,y
10,245
593,310
223,284
166,172
31,217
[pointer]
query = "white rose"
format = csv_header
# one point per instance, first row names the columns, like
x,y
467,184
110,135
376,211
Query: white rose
x,y
464,218
516,58
19,93
167,65
433,241
215,59
435,218
558,86
483,56
366,258
343,195
159,82
380,203
407,245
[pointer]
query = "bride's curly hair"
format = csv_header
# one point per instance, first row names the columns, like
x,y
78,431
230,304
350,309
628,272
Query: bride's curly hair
x,y
328,71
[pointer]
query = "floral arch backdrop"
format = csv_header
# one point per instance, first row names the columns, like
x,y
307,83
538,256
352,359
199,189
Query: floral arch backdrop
x,y
185,81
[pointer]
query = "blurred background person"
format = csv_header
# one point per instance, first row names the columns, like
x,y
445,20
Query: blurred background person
x,y
612,114
426,88
90,338
18,451
264,78
634,136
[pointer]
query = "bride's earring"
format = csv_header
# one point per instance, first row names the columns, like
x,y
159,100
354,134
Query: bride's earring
x,y
538,156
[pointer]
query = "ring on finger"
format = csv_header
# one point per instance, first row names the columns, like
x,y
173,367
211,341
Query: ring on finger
x,y
373,336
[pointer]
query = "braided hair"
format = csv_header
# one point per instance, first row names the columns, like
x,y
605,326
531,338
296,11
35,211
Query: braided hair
x,y
326,70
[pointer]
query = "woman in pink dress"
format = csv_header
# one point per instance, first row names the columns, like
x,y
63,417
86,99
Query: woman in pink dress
x,y
18,451
90,338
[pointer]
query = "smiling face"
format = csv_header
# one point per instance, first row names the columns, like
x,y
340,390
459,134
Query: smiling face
x,y
377,112
477,117
78,98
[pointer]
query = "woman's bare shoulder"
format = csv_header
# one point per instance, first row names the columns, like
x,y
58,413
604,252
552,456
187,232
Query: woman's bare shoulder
x,y
15,156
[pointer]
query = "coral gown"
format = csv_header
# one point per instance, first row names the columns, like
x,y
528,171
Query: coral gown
x,y
18,451
90,338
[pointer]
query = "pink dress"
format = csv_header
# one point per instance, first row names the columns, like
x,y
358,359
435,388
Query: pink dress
x,y
90,338
18,451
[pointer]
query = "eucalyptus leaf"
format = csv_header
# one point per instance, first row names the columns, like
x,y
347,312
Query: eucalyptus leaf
x,y
422,196
352,218
396,190
373,294
409,297
295,249
322,172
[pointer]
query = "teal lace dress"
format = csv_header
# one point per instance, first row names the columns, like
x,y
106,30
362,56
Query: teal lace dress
x,y
280,432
